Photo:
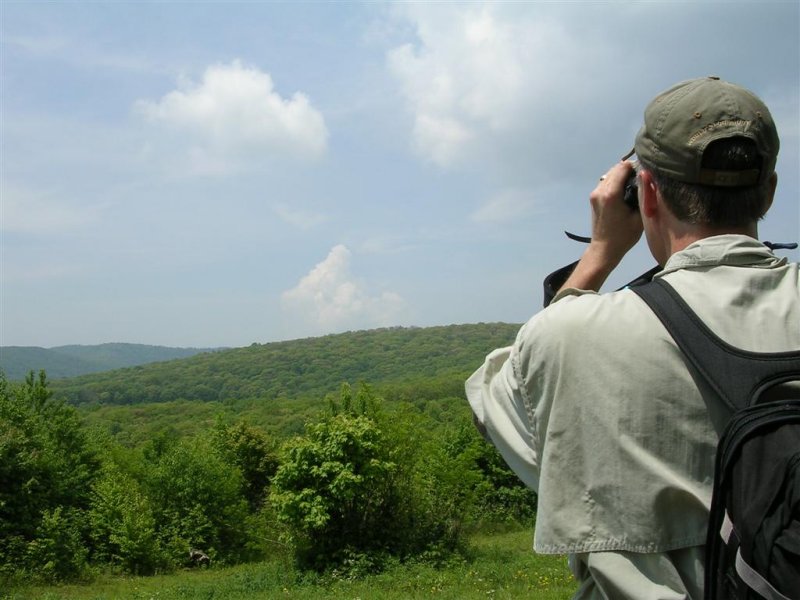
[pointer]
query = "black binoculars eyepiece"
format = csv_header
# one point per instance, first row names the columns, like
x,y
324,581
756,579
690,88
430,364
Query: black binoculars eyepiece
x,y
630,194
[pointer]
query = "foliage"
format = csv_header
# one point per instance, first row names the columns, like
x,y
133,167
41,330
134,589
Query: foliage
x,y
357,481
248,449
71,361
499,565
58,551
362,485
435,485
67,500
124,525
499,495
335,488
310,367
46,468
197,502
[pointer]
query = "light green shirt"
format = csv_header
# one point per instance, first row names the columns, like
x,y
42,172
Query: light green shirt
x,y
594,408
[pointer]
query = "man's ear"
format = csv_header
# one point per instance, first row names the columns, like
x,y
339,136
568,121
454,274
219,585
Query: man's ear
x,y
773,183
648,194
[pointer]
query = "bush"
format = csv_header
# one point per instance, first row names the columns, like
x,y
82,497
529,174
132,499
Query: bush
x,y
197,502
123,525
248,449
335,489
57,551
47,467
361,483
363,487
499,496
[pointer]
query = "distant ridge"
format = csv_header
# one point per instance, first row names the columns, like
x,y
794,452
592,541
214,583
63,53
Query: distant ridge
x,y
304,368
74,360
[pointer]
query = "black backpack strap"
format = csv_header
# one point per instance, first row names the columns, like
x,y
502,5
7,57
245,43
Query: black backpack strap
x,y
737,376
556,279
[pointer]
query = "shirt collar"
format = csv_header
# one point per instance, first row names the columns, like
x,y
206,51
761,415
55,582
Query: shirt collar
x,y
729,249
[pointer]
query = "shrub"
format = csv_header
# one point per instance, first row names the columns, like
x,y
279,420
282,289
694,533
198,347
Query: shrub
x,y
123,525
498,495
335,489
197,502
47,467
57,551
361,482
248,449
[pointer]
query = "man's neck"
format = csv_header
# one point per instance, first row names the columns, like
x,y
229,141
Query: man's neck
x,y
682,237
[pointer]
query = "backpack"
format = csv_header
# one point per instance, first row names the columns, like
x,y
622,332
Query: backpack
x,y
753,544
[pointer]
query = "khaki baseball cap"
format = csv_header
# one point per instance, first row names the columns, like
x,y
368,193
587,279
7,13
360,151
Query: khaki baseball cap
x,y
681,122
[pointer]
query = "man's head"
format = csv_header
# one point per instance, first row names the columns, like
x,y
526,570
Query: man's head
x,y
711,147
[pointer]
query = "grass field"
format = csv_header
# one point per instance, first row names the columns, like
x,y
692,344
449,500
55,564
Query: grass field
x,y
500,566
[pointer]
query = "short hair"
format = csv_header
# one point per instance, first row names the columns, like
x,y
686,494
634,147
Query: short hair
x,y
718,206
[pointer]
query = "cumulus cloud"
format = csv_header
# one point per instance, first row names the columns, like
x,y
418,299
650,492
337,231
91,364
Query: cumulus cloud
x,y
465,77
79,51
445,79
498,84
506,205
519,89
234,114
329,298
302,219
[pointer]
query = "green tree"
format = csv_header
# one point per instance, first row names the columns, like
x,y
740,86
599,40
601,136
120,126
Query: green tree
x,y
197,502
248,449
334,490
362,485
436,486
58,550
498,494
124,525
47,466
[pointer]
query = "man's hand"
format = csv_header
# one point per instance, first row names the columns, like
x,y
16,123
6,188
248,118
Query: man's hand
x,y
615,230
615,227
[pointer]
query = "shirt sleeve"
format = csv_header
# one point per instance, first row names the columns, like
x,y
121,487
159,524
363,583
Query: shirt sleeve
x,y
496,401
508,413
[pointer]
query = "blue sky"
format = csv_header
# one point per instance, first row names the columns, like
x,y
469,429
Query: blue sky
x,y
222,173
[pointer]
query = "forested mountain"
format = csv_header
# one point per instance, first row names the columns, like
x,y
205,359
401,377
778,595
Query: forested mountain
x,y
299,368
347,483
74,360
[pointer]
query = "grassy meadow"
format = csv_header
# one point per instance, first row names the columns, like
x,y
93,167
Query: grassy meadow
x,y
497,565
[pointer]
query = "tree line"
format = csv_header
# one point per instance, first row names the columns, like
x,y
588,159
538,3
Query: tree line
x,y
369,480
74,360
309,367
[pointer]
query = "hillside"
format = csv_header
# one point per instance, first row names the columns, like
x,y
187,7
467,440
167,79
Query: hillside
x,y
299,368
74,360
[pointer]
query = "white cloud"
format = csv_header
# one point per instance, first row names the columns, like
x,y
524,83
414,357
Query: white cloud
x,y
79,52
302,219
329,298
464,78
506,205
234,116
501,85
28,211
443,139
391,243
39,45
544,92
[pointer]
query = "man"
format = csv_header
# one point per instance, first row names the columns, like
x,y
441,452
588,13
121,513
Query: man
x,y
593,405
